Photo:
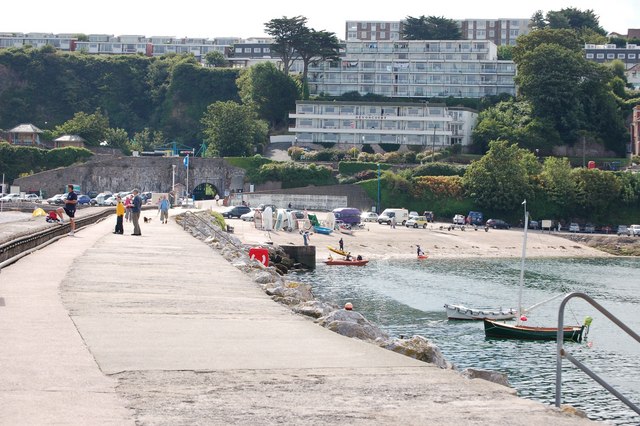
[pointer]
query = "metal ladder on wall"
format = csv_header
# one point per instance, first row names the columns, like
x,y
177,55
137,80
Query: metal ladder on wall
x,y
563,353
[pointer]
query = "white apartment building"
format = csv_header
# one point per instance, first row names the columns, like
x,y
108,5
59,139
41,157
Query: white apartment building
x,y
356,123
415,69
501,31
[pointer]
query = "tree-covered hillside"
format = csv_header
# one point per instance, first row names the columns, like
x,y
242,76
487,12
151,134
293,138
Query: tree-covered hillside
x,y
168,93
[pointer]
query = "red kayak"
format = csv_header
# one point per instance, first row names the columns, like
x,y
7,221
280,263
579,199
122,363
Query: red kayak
x,y
346,262
423,256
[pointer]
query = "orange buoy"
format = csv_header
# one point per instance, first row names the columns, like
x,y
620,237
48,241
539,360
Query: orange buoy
x,y
348,306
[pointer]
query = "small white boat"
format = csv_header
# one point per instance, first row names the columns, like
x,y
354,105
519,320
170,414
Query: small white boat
x,y
460,312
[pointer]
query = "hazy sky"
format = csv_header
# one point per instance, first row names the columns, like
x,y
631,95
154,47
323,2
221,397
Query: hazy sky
x,y
209,18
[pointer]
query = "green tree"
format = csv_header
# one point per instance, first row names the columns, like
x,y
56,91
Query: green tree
x,y
268,92
573,18
499,180
231,129
558,183
505,52
287,33
316,45
216,59
430,28
538,21
91,127
528,43
116,138
514,121
596,191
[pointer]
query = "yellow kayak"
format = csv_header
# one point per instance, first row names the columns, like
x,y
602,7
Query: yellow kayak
x,y
338,251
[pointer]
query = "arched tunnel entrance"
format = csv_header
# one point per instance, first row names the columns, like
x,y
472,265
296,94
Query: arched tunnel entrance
x,y
205,191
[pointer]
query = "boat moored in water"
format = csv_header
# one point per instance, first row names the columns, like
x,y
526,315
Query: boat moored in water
x,y
506,331
460,312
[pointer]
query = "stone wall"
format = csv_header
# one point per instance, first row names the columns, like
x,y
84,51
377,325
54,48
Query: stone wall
x,y
155,174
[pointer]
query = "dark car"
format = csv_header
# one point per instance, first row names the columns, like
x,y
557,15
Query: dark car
x,y
235,211
84,199
497,224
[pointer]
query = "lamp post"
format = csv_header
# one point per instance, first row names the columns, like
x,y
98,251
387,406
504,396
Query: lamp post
x,y
433,144
378,205
173,182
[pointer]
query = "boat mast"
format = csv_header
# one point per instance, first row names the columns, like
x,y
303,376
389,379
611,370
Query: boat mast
x,y
524,253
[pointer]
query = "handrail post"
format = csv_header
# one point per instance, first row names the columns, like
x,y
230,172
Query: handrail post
x,y
561,352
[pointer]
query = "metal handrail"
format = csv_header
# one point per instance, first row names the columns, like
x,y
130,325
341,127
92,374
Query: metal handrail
x,y
561,352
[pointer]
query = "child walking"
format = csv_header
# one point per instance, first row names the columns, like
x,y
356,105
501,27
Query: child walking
x,y
119,217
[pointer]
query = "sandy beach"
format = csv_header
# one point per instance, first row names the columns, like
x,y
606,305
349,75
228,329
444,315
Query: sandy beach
x,y
381,241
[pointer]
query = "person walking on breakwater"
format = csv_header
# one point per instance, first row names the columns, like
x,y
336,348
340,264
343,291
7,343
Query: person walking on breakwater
x,y
119,216
341,244
164,209
136,208
127,208
69,209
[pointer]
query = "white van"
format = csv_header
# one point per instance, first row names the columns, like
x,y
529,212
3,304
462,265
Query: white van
x,y
401,215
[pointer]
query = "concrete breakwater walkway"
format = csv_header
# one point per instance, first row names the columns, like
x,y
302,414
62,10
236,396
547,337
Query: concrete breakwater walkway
x,y
160,329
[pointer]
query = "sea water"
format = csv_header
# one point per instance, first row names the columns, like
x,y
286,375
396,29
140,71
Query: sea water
x,y
407,297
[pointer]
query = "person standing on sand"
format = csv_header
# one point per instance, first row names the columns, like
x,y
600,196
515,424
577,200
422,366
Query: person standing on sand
x,y
420,252
136,208
217,198
70,209
306,238
393,222
119,216
341,244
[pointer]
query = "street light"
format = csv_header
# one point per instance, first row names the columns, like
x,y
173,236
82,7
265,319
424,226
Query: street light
x,y
378,205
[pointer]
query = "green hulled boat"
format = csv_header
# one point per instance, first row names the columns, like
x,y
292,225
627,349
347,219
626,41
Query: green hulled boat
x,y
505,331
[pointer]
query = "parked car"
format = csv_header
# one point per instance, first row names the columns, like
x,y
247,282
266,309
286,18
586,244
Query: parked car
x,y
84,200
249,217
369,217
458,219
475,218
623,230
574,227
589,228
55,198
497,224
429,215
111,201
634,230
32,198
417,222
534,224
10,198
235,211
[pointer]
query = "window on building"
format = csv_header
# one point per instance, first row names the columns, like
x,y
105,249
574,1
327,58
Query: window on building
x,y
395,26
305,109
330,109
363,35
514,33
621,55
631,56
348,110
257,50
266,49
352,35
599,55
435,111
515,23
492,33
305,122
383,25
611,55
589,55
382,35
330,124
